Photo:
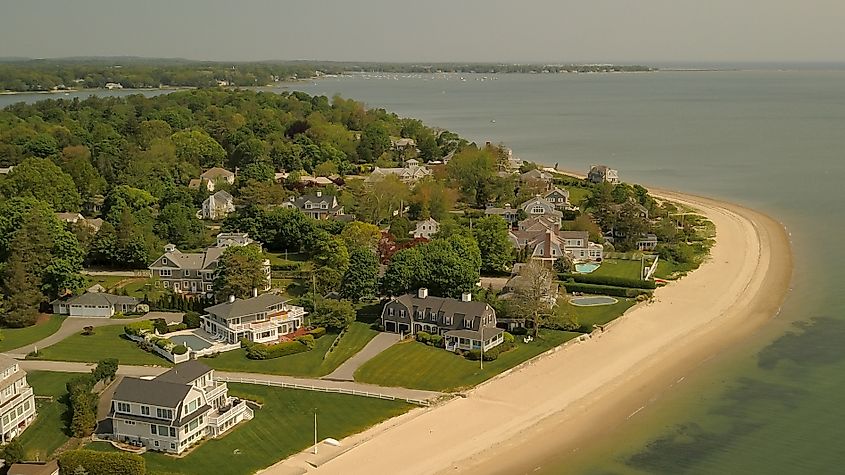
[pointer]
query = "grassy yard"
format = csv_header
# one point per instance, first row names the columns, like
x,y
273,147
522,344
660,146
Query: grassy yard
x,y
577,195
49,431
282,426
599,314
106,342
619,268
668,270
139,288
17,337
415,365
309,363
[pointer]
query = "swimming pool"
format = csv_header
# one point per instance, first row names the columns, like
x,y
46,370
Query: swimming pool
x,y
586,267
593,301
191,341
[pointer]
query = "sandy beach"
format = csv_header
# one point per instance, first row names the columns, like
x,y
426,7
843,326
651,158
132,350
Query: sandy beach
x,y
585,388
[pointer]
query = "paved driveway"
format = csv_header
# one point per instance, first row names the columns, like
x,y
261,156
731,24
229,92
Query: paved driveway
x,y
346,371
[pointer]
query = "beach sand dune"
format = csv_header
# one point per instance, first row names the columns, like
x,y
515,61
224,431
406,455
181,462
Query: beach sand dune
x,y
589,387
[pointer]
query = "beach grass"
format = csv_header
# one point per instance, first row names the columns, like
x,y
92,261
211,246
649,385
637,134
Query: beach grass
x,y
106,342
596,314
14,338
49,431
625,268
309,363
282,426
414,365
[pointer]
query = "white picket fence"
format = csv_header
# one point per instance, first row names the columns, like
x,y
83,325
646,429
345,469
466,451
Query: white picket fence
x,y
308,387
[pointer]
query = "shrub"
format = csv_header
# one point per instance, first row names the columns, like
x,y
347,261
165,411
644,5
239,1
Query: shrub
x,y
423,337
604,290
437,340
565,323
307,340
519,331
191,319
163,343
88,331
610,280
102,463
138,328
508,338
179,350
176,327
260,351
13,452
160,325
317,332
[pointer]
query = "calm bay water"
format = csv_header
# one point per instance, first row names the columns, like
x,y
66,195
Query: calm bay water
x,y
770,140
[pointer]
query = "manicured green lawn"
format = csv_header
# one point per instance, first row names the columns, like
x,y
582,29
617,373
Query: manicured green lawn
x,y
106,342
578,195
49,431
139,288
415,365
355,338
309,363
17,337
283,426
107,281
598,314
619,268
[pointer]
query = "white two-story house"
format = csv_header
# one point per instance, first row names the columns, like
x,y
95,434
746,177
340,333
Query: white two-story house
x,y
174,410
425,229
17,402
263,318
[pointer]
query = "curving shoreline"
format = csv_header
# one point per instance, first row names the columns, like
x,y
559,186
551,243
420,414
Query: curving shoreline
x,y
504,426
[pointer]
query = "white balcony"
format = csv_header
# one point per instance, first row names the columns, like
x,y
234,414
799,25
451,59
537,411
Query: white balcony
x,y
223,419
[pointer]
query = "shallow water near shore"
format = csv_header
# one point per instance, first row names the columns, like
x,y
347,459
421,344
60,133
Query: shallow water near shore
x,y
770,140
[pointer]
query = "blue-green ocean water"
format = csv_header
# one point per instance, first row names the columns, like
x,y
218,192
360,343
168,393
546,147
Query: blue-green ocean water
x,y
771,140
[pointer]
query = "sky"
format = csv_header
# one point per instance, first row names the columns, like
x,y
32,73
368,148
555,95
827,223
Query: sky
x,y
620,31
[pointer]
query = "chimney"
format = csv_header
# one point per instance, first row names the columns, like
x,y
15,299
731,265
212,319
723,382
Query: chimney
x,y
422,293
319,194
466,297
254,292
231,298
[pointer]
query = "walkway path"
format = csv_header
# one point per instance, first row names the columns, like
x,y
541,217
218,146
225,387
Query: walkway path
x,y
73,325
348,387
346,371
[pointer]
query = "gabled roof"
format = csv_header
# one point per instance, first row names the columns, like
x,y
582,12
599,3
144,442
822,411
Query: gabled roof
x,y
330,200
221,195
248,306
558,191
184,373
6,362
536,175
449,307
153,392
100,299
192,260
217,172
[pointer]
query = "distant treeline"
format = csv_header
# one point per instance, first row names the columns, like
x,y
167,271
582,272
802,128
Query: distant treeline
x,y
22,75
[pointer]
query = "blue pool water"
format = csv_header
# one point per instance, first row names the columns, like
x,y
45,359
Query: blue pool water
x,y
586,267
191,341
591,301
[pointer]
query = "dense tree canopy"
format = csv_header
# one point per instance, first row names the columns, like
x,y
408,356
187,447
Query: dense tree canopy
x,y
239,271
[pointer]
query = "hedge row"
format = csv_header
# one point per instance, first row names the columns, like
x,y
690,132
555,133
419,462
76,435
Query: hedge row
x,y
101,463
604,290
260,351
611,280
431,340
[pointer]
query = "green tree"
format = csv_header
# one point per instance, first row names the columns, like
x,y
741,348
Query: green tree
x,y
179,225
41,179
360,234
375,140
286,229
13,452
361,278
197,147
239,271
333,315
473,171
533,297
400,228
447,267
76,162
497,252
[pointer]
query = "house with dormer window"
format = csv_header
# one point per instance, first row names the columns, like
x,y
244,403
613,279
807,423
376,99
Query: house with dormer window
x,y
174,410
464,323
17,402
317,206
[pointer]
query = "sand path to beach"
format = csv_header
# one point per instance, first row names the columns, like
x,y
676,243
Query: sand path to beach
x,y
563,399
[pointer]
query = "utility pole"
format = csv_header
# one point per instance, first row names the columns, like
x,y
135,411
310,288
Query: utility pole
x,y
481,331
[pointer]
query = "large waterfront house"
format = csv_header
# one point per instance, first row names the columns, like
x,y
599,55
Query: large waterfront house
x,y
601,174
174,410
17,402
94,304
538,206
217,206
463,323
264,318
193,272
425,229
537,179
411,173
559,198
542,238
508,213
317,206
